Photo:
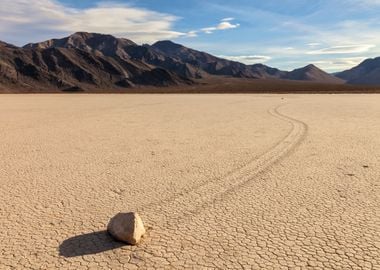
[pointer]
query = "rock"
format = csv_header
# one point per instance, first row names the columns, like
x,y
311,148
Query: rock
x,y
126,227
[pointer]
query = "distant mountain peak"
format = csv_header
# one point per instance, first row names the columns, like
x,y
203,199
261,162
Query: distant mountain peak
x,y
88,35
311,66
312,73
85,34
82,40
167,44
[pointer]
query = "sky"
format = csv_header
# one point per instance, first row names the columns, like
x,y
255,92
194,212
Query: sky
x,y
332,34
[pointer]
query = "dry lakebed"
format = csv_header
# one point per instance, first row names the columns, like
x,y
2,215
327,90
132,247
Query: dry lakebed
x,y
221,181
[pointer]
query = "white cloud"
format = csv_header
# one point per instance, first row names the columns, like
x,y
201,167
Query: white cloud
x,y
23,21
228,19
344,49
248,59
224,24
227,25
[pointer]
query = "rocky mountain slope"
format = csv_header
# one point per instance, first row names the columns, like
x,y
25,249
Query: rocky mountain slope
x,y
97,61
215,65
367,72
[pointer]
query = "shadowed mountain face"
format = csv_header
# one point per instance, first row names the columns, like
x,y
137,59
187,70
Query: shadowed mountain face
x,y
368,72
87,61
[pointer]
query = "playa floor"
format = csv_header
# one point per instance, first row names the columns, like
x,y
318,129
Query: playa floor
x,y
220,181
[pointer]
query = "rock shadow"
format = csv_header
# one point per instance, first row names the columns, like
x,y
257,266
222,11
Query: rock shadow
x,y
87,244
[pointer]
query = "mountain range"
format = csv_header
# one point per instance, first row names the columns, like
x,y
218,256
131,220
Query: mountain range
x,y
85,61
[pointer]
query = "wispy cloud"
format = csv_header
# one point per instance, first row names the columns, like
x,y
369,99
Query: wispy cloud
x,y
24,21
339,63
342,37
228,19
247,59
192,34
344,49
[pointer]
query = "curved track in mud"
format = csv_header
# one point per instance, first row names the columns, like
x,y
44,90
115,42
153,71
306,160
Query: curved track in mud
x,y
192,201
172,223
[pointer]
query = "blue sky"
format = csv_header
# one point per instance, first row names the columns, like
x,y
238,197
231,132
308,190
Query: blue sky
x,y
334,35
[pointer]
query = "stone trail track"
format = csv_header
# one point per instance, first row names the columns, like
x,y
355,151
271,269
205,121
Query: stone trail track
x,y
192,201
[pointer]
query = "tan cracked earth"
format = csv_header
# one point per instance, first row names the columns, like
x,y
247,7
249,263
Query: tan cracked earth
x,y
221,181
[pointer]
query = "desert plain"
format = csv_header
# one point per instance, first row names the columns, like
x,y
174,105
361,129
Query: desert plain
x,y
245,181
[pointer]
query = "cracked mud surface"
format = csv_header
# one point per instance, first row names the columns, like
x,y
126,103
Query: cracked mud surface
x,y
221,181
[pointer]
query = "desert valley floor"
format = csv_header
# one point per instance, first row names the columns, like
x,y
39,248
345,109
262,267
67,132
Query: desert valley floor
x,y
220,181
